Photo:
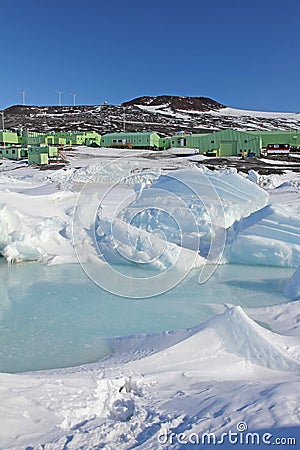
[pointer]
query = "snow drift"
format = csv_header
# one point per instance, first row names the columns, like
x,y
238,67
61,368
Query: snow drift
x,y
229,339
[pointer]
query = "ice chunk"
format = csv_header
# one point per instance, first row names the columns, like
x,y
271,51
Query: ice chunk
x,y
190,208
224,196
292,290
273,239
37,228
120,241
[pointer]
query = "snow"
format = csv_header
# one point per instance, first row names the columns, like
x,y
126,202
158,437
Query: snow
x,y
228,111
227,116
231,334
233,112
164,110
236,365
206,379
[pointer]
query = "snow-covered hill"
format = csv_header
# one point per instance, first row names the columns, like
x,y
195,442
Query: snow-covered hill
x,y
163,114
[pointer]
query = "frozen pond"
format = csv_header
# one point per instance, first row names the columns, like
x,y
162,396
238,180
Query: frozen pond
x,y
57,317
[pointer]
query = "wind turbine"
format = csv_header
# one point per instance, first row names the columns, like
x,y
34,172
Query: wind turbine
x,y
23,97
59,97
3,136
74,98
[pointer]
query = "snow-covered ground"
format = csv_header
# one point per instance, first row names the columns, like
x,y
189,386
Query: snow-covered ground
x,y
227,112
139,225
234,112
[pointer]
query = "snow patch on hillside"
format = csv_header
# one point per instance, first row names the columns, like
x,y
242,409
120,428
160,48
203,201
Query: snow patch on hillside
x,y
233,112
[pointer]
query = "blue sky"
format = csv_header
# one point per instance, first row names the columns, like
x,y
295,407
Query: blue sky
x,y
244,53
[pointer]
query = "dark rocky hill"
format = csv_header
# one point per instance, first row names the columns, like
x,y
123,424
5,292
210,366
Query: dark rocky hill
x,y
163,114
177,103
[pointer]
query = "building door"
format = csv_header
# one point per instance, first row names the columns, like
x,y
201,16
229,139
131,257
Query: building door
x,y
228,148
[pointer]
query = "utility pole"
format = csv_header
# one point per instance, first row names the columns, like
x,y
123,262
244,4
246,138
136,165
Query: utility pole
x,y
124,121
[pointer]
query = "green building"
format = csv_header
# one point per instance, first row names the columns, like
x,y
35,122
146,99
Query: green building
x,y
55,139
291,137
33,138
164,143
15,153
92,138
52,151
8,138
68,136
224,143
60,138
131,140
38,155
75,138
